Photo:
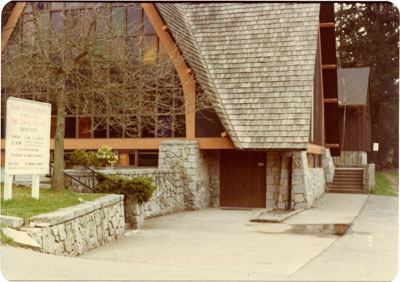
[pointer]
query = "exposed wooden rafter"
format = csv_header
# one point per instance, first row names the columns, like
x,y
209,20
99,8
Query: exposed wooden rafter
x,y
330,101
329,67
314,149
325,25
11,23
187,78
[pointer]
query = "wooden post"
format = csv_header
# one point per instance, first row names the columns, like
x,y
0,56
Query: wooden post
x,y
35,186
8,179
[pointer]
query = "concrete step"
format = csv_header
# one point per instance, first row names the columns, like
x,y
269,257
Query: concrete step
x,y
347,186
348,191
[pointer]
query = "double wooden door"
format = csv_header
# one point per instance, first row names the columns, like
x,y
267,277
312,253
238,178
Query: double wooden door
x,y
242,179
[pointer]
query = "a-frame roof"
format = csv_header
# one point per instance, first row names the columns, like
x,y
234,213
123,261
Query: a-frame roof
x,y
353,86
257,62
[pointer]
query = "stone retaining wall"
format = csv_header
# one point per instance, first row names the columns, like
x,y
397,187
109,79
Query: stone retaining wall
x,y
167,198
74,230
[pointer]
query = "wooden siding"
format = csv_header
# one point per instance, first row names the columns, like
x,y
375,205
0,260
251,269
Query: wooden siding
x,y
358,135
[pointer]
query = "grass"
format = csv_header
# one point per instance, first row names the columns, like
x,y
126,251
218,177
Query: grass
x,y
23,205
383,185
394,173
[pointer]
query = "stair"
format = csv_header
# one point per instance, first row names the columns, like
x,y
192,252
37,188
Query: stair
x,y
347,180
26,180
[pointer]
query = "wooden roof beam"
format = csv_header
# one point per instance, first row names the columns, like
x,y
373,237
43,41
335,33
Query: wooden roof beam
x,y
325,25
329,67
330,101
332,146
11,23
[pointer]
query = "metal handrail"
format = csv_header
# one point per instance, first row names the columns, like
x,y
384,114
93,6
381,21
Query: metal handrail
x,y
75,179
94,174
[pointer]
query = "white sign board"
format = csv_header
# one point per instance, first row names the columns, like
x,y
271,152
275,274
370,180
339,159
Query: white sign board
x,y
375,147
27,137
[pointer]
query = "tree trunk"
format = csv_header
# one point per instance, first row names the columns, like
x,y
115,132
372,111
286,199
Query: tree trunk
x,y
57,183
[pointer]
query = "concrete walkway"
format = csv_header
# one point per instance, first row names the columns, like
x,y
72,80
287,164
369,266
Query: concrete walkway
x,y
215,244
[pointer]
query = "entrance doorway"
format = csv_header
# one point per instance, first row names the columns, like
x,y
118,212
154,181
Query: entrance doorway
x,y
242,179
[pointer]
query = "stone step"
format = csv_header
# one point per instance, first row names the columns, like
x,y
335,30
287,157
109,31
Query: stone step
x,y
22,238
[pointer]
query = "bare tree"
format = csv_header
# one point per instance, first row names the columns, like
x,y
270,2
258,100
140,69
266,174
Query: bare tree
x,y
84,64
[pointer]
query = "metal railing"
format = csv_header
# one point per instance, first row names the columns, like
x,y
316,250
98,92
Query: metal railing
x,y
94,174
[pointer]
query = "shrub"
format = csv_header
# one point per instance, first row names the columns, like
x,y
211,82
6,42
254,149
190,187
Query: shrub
x,y
80,156
105,156
139,189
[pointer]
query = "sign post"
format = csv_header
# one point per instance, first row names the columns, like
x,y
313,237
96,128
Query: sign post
x,y
27,142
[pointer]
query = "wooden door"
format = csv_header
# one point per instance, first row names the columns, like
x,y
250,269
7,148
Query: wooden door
x,y
242,179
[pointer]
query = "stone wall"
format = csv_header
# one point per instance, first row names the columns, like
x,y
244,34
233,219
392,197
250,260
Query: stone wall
x,y
199,171
328,165
74,230
167,198
369,177
350,159
307,183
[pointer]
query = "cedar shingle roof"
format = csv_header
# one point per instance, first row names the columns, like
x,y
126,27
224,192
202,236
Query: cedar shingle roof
x,y
256,61
355,81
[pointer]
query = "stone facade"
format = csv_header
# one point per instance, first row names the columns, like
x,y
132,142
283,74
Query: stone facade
x,y
328,165
199,171
75,230
307,184
350,159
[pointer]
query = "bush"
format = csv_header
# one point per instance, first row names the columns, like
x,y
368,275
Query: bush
x,y
106,157
139,189
103,157
80,156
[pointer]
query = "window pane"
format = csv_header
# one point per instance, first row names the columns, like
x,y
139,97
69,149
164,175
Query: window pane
x,y
147,126
103,21
57,5
118,20
179,126
164,125
87,17
70,127
134,21
148,27
150,48
27,27
57,21
85,125
28,8
72,5
149,158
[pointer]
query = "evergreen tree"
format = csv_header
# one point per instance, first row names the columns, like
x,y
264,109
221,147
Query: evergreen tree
x,y
368,36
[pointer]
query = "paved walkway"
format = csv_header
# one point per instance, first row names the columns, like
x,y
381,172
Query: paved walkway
x,y
214,244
